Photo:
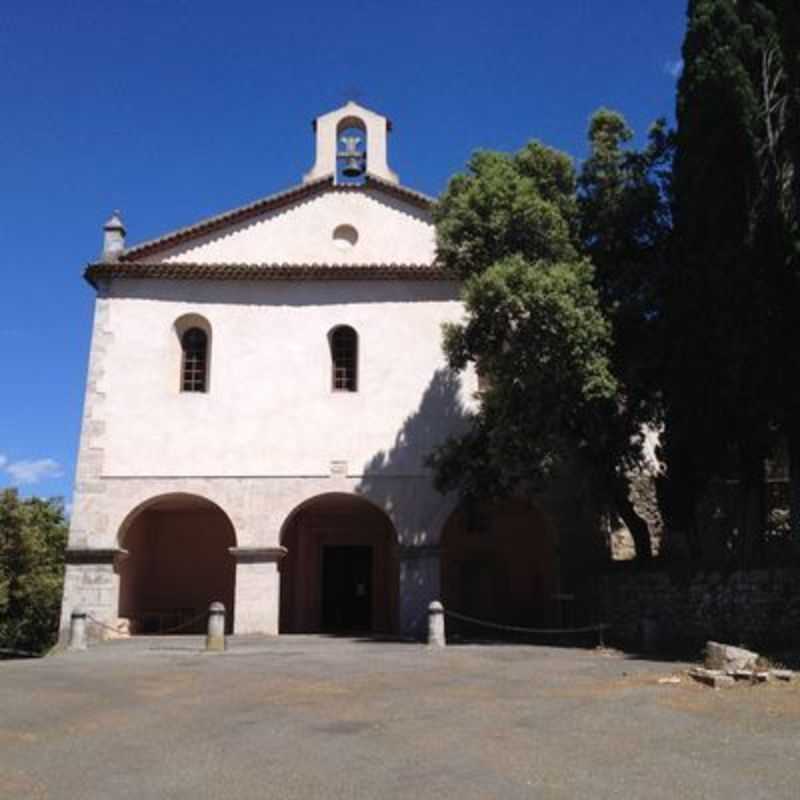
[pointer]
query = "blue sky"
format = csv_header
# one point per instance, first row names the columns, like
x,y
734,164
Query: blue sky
x,y
172,111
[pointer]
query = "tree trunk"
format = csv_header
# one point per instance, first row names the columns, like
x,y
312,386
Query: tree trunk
x,y
677,493
752,510
638,528
793,446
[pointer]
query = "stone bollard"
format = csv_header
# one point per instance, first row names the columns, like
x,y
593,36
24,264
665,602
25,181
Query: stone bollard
x,y
436,636
77,629
215,639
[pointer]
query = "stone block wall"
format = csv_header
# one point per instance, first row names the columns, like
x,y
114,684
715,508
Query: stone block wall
x,y
663,609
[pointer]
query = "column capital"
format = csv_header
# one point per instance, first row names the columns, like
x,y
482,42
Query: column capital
x,y
94,555
257,555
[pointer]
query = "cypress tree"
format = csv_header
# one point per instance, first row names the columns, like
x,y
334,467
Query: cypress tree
x,y
776,73
717,387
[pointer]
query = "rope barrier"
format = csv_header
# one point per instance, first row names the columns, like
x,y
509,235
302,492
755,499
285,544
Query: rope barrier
x,y
161,633
516,629
5,651
102,624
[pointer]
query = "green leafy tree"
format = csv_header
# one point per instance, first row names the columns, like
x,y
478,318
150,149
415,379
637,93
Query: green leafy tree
x,y
33,537
505,205
537,332
625,225
534,326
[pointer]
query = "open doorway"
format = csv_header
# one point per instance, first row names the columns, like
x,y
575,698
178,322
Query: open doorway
x,y
346,588
340,574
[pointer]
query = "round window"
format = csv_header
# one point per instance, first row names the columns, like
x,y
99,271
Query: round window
x,y
345,236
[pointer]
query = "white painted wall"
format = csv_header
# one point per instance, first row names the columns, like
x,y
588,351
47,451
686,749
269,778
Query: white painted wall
x,y
261,441
270,410
389,231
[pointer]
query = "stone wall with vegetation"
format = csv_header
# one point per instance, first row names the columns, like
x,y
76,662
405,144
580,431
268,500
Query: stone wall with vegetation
x,y
668,609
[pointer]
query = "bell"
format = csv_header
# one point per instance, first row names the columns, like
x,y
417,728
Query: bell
x,y
352,157
353,167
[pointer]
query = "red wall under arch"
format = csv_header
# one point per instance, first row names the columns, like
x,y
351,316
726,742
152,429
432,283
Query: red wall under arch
x,y
499,564
178,564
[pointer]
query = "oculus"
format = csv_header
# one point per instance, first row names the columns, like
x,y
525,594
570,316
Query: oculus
x,y
345,236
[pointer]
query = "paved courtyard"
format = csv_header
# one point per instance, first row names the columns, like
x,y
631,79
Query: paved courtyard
x,y
307,717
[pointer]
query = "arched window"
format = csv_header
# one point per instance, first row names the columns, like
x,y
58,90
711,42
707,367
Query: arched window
x,y
194,369
344,359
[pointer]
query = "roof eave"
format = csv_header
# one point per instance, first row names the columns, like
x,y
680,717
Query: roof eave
x,y
108,270
210,224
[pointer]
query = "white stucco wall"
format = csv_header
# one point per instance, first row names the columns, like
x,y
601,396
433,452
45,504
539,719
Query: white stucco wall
x,y
270,409
263,440
389,231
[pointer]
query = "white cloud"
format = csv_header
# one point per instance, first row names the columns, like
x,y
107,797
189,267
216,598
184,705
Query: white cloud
x,y
32,471
3,461
674,68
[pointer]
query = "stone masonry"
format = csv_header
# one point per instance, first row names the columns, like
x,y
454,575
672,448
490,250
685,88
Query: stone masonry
x,y
756,608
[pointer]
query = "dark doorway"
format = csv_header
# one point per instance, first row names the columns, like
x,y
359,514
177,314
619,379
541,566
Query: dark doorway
x,y
346,588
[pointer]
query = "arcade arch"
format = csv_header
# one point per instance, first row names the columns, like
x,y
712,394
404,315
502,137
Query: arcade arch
x,y
499,563
177,563
340,574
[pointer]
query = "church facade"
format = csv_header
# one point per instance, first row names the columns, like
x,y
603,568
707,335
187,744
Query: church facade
x,y
263,389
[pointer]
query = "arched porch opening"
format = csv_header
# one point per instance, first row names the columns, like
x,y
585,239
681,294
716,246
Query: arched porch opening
x,y
178,563
340,574
499,563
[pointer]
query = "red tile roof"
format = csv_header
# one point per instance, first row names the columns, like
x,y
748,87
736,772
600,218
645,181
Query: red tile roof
x,y
263,272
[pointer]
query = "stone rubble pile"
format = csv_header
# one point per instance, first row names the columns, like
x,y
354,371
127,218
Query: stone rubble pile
x,y
726,664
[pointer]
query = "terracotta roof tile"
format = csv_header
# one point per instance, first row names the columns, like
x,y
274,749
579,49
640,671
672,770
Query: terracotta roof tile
x,y
262,272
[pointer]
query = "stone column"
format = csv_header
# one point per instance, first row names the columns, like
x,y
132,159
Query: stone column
x,y
91,581
420,585
258,593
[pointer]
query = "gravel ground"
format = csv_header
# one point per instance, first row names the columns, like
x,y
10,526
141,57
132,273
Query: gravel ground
x,y
313,717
